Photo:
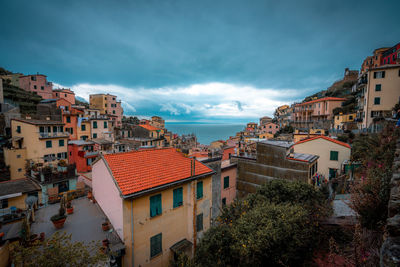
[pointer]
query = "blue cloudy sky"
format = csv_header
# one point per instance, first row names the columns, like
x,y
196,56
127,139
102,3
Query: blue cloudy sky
x,y
205,61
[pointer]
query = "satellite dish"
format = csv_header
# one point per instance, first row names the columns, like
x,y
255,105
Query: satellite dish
x,y
30,201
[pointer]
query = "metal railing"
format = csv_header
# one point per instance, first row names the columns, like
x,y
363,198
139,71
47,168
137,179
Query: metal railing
x,y
53,134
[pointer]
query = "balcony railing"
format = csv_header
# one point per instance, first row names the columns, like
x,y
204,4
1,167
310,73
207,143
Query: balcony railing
x,y
53,135
47,175
91,153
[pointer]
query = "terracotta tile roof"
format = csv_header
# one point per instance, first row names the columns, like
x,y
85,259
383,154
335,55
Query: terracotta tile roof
x,y
322,99
326,138
136,171
149,127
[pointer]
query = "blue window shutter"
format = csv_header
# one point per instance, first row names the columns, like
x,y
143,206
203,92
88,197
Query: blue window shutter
x,y
155,205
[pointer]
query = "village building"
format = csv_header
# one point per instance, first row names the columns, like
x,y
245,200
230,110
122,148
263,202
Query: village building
x,y
107,104
66,94
283,115
265,120
332,154
144,193
82,153
316,113
270,127
37,84
344,121
157,122
272,160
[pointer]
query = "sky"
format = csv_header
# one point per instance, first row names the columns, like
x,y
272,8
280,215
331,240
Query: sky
x,y
210,61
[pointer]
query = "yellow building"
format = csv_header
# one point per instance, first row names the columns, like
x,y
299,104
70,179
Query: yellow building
x,y
332,153
13,194
157,200
83,131
382,93
339,121
266,136
38,141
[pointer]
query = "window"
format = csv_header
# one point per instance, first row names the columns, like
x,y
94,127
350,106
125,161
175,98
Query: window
x,y
48,144
199,222
155,205
334,155
34,87
33,78
226,182
18,156
379,74
89,161
178,197
95,124
350,117
224,202
199,190
61,142
378,87
113,111
19,170
3,203
83,127
65,95
155,245
18,129
95,135
377,101
54,129
42,87
105,125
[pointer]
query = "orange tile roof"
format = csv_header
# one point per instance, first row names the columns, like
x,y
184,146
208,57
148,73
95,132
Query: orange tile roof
x,y
149,127
326,138
136,171
322,99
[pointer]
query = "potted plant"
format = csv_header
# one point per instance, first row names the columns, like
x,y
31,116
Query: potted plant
x,y
89,195
105,242
62,166
70,208
59,218
105,225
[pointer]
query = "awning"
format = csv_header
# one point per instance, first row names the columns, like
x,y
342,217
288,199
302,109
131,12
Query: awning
x,y
181,246
16,138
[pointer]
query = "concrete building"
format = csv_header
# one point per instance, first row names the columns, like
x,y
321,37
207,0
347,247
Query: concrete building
x,y
273,160
158,122
37,141
82,153
38,84
391,55
381,94
228,181
158,201
265,120
12,79
316,113
332,153
107,104
344,121
373,61
283,115
269,127
64,93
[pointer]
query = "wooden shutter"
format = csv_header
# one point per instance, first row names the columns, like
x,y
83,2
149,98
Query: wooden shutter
x,y
199,222
199,190
155,245
155,205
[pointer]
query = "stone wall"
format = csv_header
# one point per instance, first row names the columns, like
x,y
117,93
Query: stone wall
x,y
390,251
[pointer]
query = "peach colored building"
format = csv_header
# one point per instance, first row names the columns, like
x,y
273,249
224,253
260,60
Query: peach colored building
x,y
69,117
373,61
317,113
228,181
270,128
107,104
37,84
156,203
66,94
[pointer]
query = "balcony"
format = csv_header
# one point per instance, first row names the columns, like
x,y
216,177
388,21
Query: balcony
x,y
45,135
48,174
89,154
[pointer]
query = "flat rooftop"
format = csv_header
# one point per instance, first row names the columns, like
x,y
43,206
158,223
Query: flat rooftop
x,y
284,144
84,224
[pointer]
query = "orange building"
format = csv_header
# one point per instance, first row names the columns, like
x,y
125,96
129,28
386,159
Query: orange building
x,y
82,153
69,117
66,94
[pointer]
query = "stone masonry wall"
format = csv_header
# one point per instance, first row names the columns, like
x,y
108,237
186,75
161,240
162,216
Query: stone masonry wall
x,y
390,250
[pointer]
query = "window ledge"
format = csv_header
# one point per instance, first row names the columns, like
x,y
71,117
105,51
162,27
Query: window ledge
x,y
155,216
177,207
156,256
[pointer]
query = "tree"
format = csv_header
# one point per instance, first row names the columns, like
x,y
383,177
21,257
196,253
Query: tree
x,y
277,226
57,251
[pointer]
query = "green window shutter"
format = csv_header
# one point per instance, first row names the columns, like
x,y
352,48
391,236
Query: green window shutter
x,y
95,124
61,142
226,182
224,201
377,101
83,127
54,129
178,197
41,129
334,155
199,222
155,245
68,119
18,129
48,144
105,125
199,190
155,205
95,135
378,87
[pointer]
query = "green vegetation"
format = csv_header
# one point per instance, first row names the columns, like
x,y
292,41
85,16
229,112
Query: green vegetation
x,y
277,226
59,251
26,101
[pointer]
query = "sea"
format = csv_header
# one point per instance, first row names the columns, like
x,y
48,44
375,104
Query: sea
x,y
206,133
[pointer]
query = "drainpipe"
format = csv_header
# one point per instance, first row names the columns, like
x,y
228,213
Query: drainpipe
x,y
194,207
132,230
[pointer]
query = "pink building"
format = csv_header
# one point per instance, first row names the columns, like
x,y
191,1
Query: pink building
x,y
270,128
228,182
317,113
66,94
37,84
